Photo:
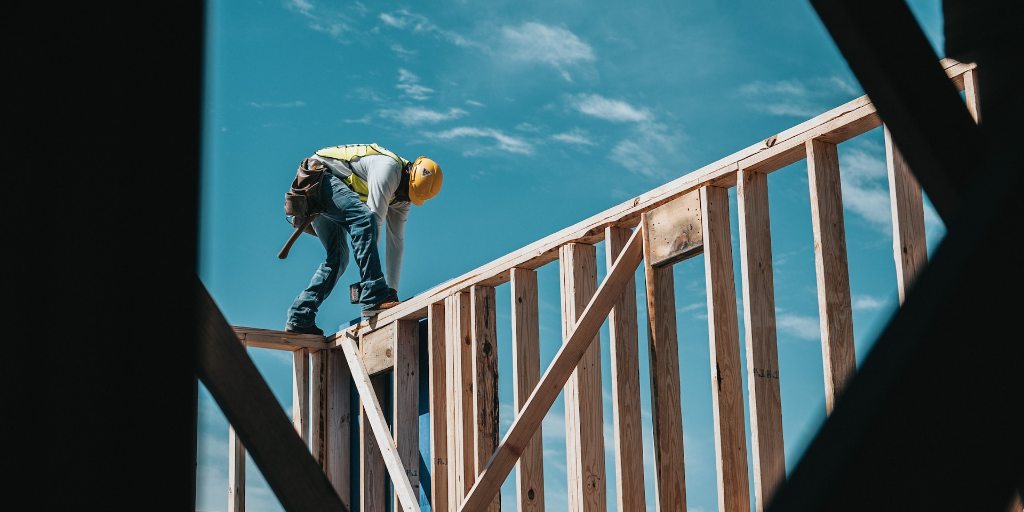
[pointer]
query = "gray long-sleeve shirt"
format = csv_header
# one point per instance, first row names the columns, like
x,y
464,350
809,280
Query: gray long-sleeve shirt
x,y
382,175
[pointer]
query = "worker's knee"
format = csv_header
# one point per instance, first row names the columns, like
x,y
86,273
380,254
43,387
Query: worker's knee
x,y
363,223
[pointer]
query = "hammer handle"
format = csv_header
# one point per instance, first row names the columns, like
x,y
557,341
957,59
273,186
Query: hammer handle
x,y
295,236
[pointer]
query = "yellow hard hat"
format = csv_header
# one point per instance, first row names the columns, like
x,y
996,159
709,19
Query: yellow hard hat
x,y
425,179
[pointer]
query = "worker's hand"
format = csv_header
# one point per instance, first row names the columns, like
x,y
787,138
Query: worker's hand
x,y
297,220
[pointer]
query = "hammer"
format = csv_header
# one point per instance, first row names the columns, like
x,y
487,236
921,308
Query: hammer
x,y
295,236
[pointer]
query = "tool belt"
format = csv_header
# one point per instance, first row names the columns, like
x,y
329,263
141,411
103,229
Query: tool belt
x,y
302,200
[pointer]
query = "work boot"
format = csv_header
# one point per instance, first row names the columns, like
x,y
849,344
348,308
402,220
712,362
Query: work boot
x,y
390,300
312,329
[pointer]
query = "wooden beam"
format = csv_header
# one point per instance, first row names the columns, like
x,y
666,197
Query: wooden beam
x,y
910,248
338,413
759,332
485,380
438,408
834,311
406,402
625,363
841,123
461,468
555,377
300,392
666,407
258,418
377,349
674,229
319,390
971,94
372,470
278,340
236,472
526,373
379,426
584,416
726,374
900,74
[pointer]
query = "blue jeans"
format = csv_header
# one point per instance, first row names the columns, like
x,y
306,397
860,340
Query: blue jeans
x,y
344,216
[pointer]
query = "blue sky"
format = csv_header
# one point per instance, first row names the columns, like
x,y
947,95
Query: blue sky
x,y
541,115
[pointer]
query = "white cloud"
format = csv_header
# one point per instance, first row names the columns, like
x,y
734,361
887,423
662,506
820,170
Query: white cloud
x,y
799,326
474,103
865,185
786,87
545,44
796,98
790,109
394,21
651,151
504,142
402,51
409,84
302,6
405,19
575,136
695,307
527,127
283,104
843,85
608,109
332,23
867,303
410,116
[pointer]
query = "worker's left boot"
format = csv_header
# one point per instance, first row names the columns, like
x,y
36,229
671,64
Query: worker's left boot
x,y
312,329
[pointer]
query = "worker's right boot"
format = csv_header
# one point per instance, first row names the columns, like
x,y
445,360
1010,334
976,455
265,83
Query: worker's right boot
x,y
389,301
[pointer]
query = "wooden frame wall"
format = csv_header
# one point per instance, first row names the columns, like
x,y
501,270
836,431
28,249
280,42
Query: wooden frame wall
x,y
469,464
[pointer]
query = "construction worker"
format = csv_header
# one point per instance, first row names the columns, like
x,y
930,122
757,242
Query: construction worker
x,y
366,187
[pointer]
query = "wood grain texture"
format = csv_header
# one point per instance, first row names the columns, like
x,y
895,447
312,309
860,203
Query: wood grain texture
x,y
318,390
666,407
674,229
406,401
338,411
910,247
372,471
584,416
377,349
300,392
526,373
625,365
278,340
461,468
236,472
833,277
257,417
765,401
971,94
779,150
726,373
438,407
554,379
372,418
485,380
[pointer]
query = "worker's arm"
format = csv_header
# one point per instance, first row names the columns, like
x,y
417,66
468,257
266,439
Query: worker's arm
x,y
398,213
382,178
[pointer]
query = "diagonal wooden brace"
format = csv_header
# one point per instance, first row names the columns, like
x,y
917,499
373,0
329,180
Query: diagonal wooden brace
x,y
375,416
256,416
531,415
